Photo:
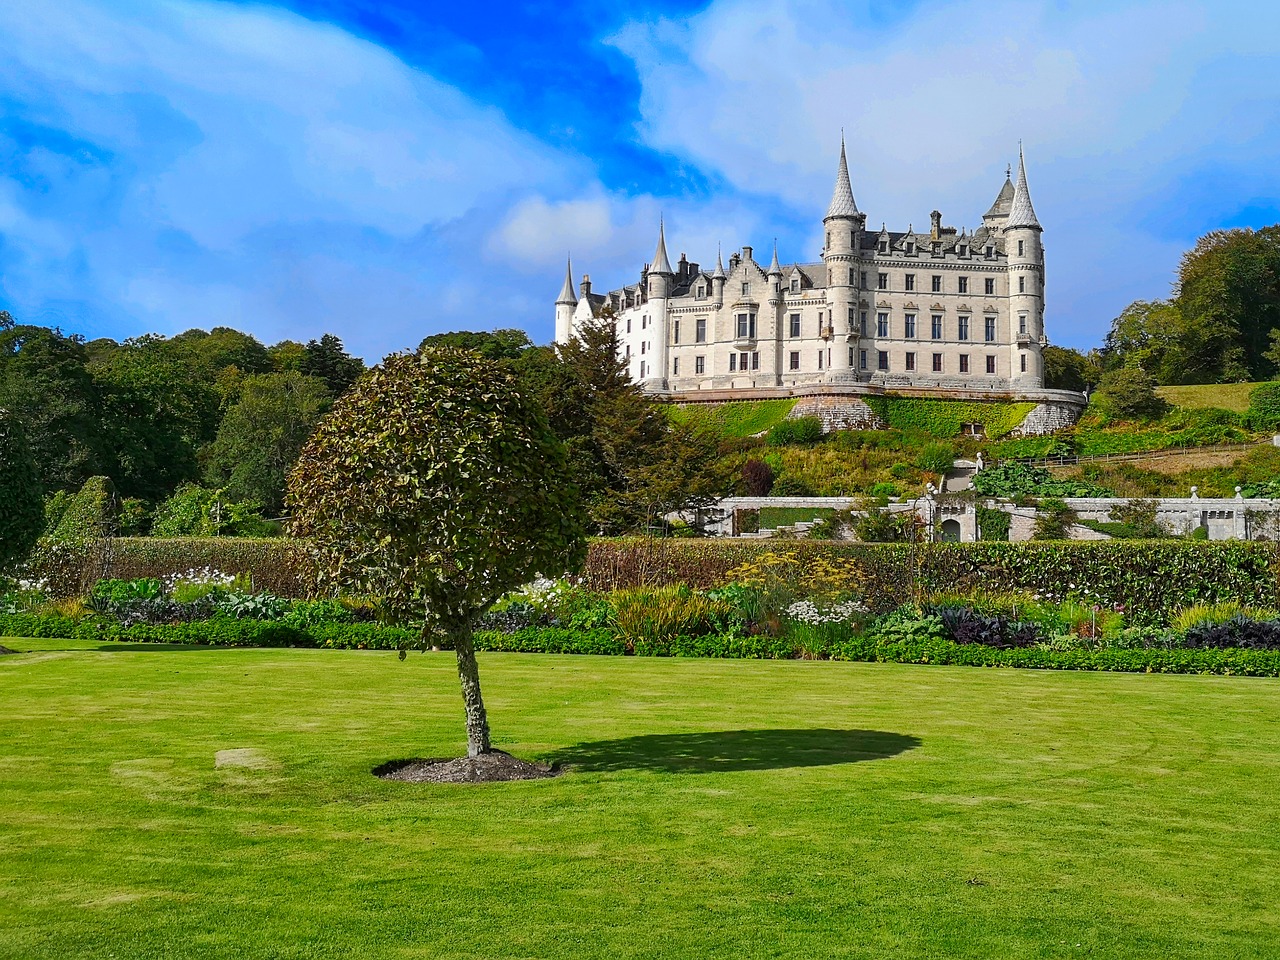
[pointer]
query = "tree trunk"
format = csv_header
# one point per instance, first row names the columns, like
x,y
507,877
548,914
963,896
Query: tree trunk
x,y
469,674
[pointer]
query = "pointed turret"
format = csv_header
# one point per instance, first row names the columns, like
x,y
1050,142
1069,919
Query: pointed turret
x,y
660,262
774,267
719,274
1003,203
842,202
566,292
1021,213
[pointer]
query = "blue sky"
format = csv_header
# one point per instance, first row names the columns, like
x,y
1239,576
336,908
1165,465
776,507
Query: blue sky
x,y
386,170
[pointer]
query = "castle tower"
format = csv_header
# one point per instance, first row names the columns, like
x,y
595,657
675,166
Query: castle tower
x,y
1025,252
718,280
659,281
844,224
566,304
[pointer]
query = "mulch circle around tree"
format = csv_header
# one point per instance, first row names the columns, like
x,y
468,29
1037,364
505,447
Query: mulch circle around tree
x,y
492,767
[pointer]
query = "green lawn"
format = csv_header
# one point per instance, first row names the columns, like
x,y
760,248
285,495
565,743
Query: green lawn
x,y
724,809
1225,396
773,517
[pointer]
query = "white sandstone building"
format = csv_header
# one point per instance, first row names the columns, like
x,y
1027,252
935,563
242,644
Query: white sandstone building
x,y
944,311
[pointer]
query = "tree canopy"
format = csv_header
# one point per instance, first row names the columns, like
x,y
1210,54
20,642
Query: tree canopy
x,y
436,483
21,499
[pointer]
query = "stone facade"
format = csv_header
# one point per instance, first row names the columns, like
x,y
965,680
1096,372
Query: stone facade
x,y
948,309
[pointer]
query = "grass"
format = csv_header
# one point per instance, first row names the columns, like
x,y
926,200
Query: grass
x,y
736,419
721,809
773,517
1224,396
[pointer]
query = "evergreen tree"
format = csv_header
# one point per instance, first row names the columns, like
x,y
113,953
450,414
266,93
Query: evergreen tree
x,y
327,359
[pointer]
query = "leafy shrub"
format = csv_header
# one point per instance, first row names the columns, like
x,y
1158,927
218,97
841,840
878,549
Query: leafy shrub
x,y
799,431
305,614
1264,407
965,625
1013,480
747,520
87,516
107,593
885,490
757,478
654,615
1129,393
791,485
993,524
196,511
1054,521
251,606
936,458
1139,517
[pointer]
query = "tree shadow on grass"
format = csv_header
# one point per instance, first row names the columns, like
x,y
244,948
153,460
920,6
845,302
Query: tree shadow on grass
x,y
728,750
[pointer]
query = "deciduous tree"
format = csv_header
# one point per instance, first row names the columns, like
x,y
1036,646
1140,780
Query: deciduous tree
x,y
437,484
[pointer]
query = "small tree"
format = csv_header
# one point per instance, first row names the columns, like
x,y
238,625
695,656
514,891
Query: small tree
x,y
757,478
21,503
437,485
1129,393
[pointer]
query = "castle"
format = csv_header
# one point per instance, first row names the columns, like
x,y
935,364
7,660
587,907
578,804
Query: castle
x,y
944,312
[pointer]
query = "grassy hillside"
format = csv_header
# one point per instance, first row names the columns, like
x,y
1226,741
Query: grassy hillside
x,y
1224,396
736,420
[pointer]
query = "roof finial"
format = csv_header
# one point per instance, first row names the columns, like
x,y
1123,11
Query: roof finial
x,y
842,202
719,274
1021,213
566,292
660,262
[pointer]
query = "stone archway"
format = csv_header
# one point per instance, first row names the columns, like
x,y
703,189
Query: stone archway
x,y
951,530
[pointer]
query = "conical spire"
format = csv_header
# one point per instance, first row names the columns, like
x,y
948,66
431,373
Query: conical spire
x,y
1003,202
660,262
842,203
774,266
1021,213
719,274
566,292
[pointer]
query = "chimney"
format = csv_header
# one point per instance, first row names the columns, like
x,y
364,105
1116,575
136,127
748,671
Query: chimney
x,y
585,286
746,253
935,221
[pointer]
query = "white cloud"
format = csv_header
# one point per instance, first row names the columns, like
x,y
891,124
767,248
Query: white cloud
x,y
1109,100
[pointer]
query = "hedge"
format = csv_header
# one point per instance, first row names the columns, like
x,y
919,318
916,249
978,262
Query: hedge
x,y
1151,579
276,565
865,648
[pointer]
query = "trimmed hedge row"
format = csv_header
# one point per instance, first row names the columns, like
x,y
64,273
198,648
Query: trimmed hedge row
x,y
866,648
1151,579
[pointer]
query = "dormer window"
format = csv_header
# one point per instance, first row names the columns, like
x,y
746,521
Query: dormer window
x,y
962,250
884,246
988,253
702,291
795,285
911,249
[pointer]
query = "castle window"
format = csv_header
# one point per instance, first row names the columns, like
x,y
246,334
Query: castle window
x,y
642,346
909,326
755,361
744,360
746,326
937,363
733,362
862,323
702,291
851,356
962,250
882,281
882,324
641,369
746,288
795,285
910,281
988,253
1024,363
884,246
851,273
991,364
882,359
676,330
795,325
911,361
911,249
937,283
1022,323
963,284
1022,284
628,324
794,360
989,329
675,367
699,364
863,279
644,322
777,287
700,330
627,355
819,359
989,286
853,238
962,328
1019,248
964,363
862,359
935,323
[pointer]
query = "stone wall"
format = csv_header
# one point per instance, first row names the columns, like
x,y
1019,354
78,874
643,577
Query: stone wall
x,y
837,413
1047,418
